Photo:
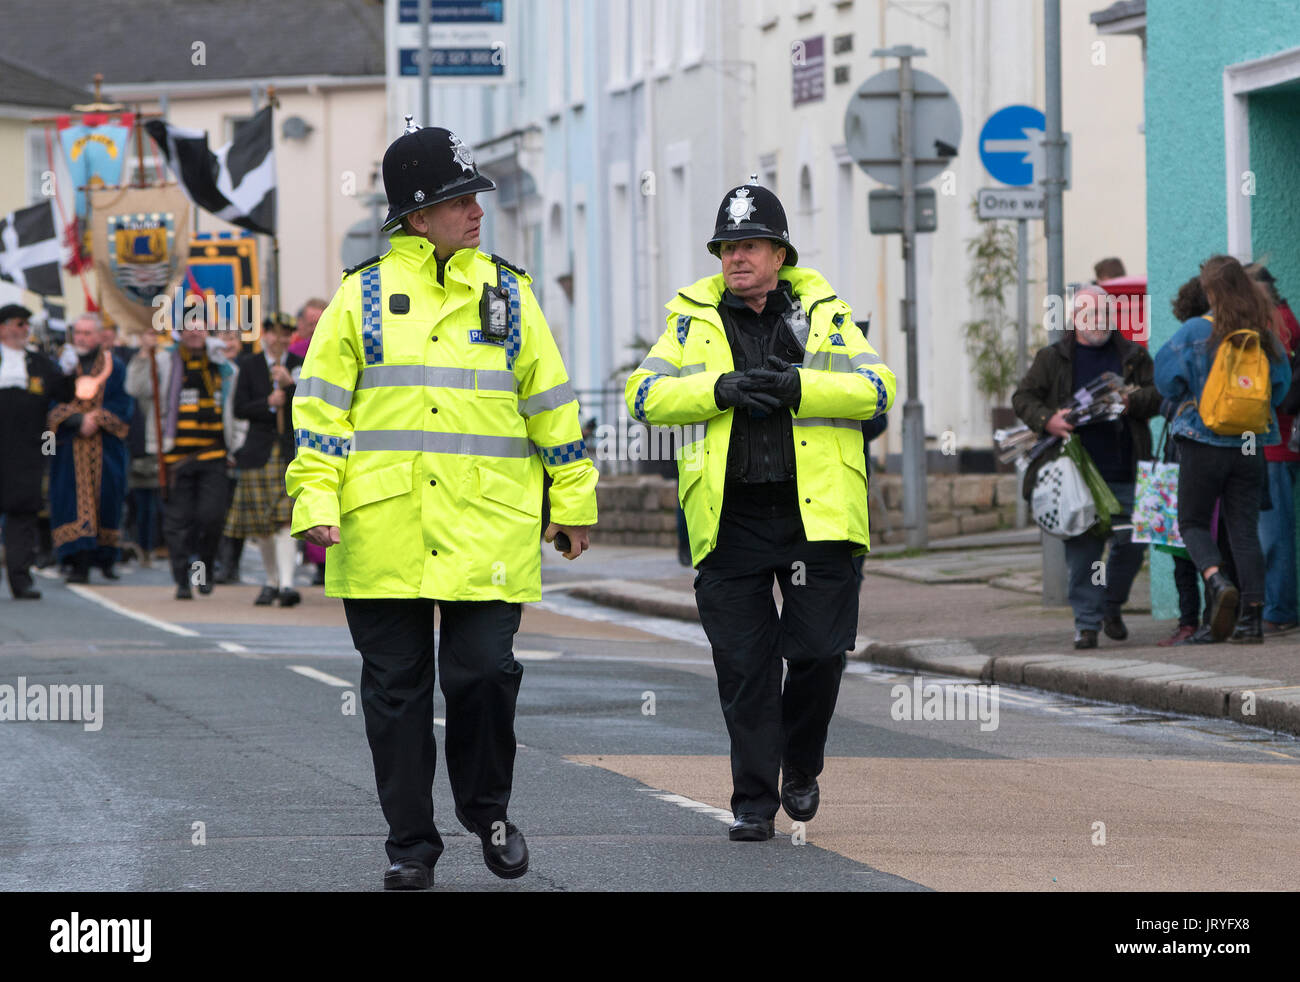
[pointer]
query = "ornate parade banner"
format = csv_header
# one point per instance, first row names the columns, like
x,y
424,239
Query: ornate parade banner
x,y
141,243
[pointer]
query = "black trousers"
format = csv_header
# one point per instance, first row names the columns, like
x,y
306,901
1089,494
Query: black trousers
x,y
771,727
1207,473
20,504
194,515
480,683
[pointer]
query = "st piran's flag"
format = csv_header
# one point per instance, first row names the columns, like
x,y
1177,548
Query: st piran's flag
x,y
30,249
237,182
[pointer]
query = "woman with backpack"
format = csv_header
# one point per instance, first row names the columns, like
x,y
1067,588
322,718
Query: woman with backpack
x,y
1225,371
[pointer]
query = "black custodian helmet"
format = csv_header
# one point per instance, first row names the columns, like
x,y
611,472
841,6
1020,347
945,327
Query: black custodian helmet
x,y
752,212
425,166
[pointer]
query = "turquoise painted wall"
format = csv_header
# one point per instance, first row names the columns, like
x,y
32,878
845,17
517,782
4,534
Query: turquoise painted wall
x,y
1189,43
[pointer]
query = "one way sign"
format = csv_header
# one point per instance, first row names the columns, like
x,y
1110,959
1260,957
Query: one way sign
x,y
1011,145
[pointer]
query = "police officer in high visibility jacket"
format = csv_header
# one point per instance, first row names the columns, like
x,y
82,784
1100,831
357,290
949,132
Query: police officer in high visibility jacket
x,y
431,401
765,368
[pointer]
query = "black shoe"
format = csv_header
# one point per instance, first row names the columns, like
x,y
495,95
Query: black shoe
x,y
109,572
205,588
1270,628
77,576
408,874
751,828
1084,640
508,859
1250,626
1115,628
1221,598
290,598
183,592
1202,635
800,795
27,593
267,597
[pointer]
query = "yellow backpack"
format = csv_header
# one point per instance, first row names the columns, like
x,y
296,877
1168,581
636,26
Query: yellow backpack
x,y
1235,399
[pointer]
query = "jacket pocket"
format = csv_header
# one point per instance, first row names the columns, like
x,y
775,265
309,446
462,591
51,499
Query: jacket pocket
x,y
509,492
687,479
379,485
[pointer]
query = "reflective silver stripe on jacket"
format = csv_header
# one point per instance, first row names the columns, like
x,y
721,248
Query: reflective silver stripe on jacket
x,y
327,392
544,402
692,369
866,358
846,424
419,441
393,376
828,361
659,367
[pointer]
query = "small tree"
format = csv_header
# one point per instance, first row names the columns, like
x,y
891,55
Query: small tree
x,y
992,273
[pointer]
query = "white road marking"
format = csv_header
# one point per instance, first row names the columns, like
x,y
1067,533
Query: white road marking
x,y
237,649
319,676
538,655
681,801
117,608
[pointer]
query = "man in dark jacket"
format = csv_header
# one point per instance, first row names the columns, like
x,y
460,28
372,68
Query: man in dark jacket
x,y
1092,348
262,508
28,381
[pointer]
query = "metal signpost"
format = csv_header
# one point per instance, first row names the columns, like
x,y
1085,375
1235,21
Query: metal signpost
x,y
902,127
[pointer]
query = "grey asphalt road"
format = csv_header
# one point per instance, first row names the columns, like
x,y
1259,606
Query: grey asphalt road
x,y
220,726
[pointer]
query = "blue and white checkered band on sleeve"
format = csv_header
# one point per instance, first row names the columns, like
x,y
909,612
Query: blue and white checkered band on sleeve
x,y
372,316
515,339
333,446
567,454
643,390
882,396
683,328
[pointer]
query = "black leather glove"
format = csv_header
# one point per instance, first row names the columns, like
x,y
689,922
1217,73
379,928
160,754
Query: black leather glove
x,y
739,389
780,379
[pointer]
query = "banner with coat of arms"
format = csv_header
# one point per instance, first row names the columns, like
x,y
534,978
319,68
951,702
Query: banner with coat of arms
x,y
140,240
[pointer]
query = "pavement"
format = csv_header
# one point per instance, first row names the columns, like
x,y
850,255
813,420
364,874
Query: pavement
x,y
972,608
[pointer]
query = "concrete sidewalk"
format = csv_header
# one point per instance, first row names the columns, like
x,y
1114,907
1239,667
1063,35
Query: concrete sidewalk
x,y
942,613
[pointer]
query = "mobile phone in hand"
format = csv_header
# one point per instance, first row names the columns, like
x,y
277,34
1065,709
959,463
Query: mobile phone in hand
x,y
562,543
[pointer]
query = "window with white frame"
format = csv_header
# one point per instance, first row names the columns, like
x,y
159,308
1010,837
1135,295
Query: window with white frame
x,y
693,32
663,35
619,26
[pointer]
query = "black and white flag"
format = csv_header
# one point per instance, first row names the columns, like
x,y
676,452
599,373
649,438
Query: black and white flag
x,y
237,182
30,249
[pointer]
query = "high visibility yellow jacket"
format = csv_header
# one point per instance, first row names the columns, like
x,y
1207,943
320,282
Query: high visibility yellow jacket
x,y
424,441
843,381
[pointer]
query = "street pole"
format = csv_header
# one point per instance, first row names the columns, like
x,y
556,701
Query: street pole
x,y
915,492
1022,331
1054,573
423,61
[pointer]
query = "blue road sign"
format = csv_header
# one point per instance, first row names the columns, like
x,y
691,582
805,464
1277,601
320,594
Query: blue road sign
x,y
1011,145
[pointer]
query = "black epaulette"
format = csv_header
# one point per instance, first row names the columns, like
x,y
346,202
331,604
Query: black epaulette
x,y
509,265
360,266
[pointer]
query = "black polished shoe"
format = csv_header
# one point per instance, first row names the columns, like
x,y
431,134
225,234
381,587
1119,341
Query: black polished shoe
x,y
1115,628
1202,635
1083,640
1221,598
506,855
27,593
267,597
205,588
290,598
1250,626
800,795
408,874
751,828
183,592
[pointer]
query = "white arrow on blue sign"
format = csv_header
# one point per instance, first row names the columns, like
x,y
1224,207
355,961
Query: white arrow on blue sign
x,y
1011,145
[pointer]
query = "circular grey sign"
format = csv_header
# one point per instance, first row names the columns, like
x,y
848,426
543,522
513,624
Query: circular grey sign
x,y
871,127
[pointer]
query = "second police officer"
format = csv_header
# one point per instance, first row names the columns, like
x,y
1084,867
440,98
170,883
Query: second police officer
x,y
767,365
432,399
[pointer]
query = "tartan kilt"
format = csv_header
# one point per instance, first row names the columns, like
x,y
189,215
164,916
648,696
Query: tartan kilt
x,y
261,506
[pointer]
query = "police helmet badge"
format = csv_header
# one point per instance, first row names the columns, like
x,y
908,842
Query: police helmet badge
x,y
461,154
741,206
419,197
